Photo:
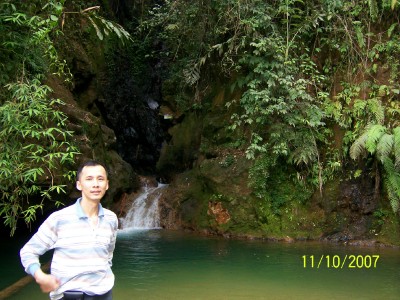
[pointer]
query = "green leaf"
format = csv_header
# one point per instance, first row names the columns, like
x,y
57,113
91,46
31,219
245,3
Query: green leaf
x,y
385,146
98,32
375,132
396,146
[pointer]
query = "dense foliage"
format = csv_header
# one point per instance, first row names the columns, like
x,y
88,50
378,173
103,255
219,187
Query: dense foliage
x,y
318,81
310,72
37,152
35,144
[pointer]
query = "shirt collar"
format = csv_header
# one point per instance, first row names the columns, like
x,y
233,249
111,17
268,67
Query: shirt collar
x,y
81,214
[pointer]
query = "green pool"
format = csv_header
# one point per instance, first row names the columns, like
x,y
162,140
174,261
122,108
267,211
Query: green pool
x,y
158,264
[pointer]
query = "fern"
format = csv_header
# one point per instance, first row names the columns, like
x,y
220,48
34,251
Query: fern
x,y
374,133
396,146
358,147
373,9
392,181
394,203
306,151
378,141
377,110
368,140
384,146
192,74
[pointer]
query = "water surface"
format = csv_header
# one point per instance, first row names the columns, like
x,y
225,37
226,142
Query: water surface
x,y
158,264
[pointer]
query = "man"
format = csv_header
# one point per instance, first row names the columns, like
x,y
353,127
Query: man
x,y
83,237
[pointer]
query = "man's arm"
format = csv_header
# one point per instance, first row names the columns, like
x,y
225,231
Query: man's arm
x,y
113,241
41,242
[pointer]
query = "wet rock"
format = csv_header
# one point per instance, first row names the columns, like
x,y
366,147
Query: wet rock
x,y
220,213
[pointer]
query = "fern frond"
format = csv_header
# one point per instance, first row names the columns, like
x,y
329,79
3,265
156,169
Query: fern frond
x,y
306,151
385,146
306,155
373,9
395,204
396,146
374,133
388,166
192,74
392,182
377,110
358,147
392,177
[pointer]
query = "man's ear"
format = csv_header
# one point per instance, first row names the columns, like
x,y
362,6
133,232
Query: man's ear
x,y
78,186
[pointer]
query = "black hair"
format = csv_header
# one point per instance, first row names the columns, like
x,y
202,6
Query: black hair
x,y
90,163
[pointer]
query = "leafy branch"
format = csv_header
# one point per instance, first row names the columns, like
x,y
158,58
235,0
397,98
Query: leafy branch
x,y
102,26
35,146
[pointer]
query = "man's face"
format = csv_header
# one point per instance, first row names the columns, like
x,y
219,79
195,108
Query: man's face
x,y
93,183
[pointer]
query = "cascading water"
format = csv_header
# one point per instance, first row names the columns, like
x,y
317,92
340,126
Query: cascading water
x,y
144,212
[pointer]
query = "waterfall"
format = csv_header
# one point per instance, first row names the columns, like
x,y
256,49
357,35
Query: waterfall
x,y
144,212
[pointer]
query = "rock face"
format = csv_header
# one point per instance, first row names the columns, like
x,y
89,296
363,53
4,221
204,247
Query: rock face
x,y
209,192
349,208
95,141
92,134
131,109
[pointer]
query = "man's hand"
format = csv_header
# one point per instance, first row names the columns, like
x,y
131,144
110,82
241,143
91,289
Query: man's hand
x,y
47,282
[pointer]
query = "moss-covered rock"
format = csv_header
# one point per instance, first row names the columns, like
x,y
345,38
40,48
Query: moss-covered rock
x,y
213,195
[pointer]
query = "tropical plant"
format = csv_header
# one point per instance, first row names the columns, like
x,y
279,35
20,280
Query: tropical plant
x,y
36,147
35,144
25,41
102,26
384,143
312,74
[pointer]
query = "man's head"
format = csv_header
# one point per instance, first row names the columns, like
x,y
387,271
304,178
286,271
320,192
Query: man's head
x,y
90,163
92,180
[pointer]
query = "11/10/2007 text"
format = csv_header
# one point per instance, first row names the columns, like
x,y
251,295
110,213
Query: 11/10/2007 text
x,y
337,262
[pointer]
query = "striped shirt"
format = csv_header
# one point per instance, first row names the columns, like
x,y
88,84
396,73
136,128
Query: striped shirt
x,y
83,254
